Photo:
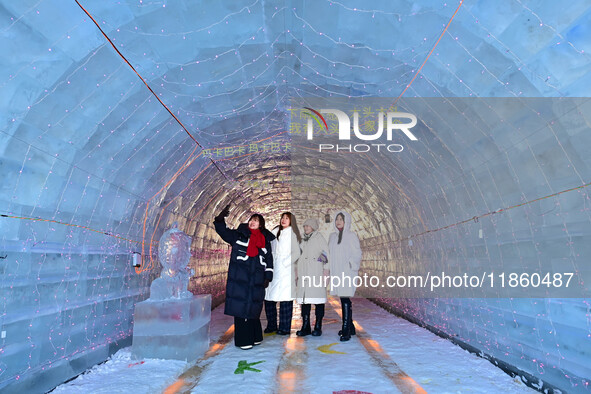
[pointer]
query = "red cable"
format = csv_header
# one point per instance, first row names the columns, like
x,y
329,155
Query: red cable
x,y
136,73
148,86
432,49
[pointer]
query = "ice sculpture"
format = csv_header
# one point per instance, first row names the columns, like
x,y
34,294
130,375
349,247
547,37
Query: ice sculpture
x,y
173,323
174,253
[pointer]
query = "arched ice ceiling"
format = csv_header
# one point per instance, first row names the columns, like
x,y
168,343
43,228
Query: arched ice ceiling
x,y
84,142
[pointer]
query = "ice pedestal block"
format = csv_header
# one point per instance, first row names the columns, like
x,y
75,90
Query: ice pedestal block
x,y
175,328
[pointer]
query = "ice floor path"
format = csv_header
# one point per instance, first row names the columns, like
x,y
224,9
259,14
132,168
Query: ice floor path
x,y
388,355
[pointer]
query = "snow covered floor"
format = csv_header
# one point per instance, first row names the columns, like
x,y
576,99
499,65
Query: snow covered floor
x,y
390,355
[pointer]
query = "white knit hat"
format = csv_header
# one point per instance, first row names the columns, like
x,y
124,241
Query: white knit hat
x,y
312,223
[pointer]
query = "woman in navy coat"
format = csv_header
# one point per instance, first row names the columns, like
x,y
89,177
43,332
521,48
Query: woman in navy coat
x,y
249,272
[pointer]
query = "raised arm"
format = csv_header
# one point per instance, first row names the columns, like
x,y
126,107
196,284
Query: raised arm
x,y
228,235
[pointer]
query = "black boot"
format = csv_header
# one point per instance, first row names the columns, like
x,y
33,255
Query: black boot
x,y
351,329
345,331
317,327
351,326
306,330
318,324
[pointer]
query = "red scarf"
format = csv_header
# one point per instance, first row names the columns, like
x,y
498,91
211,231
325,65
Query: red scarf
x,y
257,241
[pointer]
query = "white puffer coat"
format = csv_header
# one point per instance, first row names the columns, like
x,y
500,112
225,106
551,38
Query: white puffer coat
x,y
286,251
345,258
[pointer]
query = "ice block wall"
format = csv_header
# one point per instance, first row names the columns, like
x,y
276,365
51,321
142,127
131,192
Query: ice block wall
x,y
86,154
95,165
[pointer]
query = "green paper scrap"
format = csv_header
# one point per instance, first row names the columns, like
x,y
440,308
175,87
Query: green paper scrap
x,y
244,366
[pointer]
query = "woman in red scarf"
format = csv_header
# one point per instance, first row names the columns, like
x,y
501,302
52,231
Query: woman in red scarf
x,y
249,272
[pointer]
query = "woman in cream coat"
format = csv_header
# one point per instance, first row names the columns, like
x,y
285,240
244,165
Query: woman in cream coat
x,y
344,259
286,251
311,287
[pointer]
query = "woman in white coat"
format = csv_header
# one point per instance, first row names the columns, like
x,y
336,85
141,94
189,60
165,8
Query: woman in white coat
x,y
311,287
344,259
286,251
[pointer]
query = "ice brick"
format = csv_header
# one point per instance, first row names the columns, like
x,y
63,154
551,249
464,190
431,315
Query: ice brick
x,y
173,328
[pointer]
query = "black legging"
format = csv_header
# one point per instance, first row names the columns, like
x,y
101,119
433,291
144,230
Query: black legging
x,y
345,301
319,310
247,331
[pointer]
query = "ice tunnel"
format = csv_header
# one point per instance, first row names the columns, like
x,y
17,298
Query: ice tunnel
x,y
122,117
